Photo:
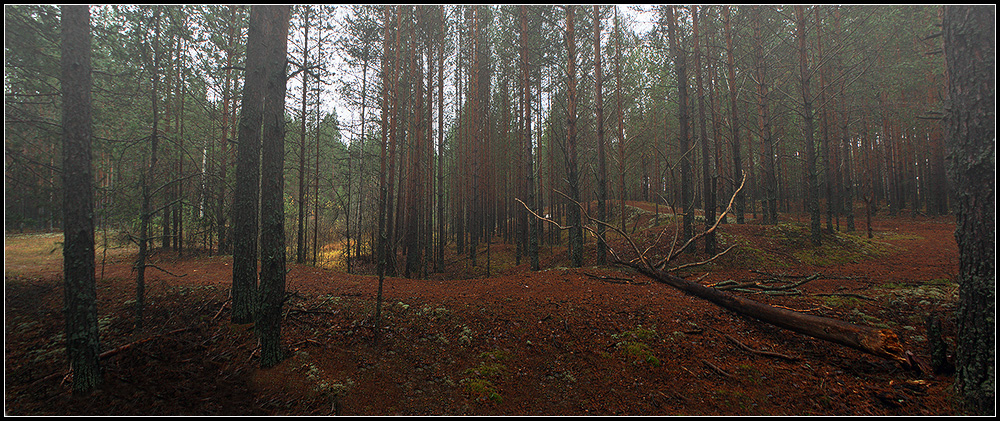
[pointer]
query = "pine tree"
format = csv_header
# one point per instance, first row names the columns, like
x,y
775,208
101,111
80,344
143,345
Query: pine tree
x,y
80,296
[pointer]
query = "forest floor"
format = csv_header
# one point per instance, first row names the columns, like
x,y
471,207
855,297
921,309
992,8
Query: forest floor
x,y
592,340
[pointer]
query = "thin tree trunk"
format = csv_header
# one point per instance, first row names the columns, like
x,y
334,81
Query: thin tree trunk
x,y
602,172
740,203
300,248
621,121
528,158
439,254
145,208
575,222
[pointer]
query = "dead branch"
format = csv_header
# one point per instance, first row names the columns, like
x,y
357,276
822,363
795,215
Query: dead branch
x,y
615,280
113,352
706,261
843,294
148,265
879,342
670,257
717,369
758,352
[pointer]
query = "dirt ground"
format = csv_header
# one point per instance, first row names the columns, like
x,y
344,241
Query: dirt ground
x,y
591,340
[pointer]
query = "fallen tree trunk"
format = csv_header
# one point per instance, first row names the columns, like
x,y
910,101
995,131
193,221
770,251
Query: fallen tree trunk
x,y
878,342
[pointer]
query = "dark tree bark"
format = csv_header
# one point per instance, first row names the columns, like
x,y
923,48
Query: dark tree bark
x,y
300,230
602,172
145,212
80,294
621,122
770,205
228,115
846,141
812,188
572,174
246,195
708,190
740,203
526,130
970,125
272,215
680,67
387,154
439,252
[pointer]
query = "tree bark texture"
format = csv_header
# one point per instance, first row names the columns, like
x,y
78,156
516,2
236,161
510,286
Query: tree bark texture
x,y
246,195
683,117
272,219
572,173
812,186
602,172
80,293
970,125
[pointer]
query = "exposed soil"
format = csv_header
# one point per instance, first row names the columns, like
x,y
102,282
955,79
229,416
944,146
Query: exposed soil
x,y
593,340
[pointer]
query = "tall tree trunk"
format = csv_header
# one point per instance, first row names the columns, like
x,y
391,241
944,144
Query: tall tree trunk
x,y
316,132
526,130
680,66
602,172
145,211
575,222
734,127
439,253
708,190
228,118
387,154
80,293
769,208
246,195
828,180
272,215
300,236
621,121
844,118
970,125
414,194
475,214
812,188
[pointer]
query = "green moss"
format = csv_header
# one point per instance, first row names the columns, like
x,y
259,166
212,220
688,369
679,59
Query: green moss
x,y
838,247
633,344
482,389
478,379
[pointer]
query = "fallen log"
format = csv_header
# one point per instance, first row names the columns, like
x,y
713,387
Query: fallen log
x,y
879,342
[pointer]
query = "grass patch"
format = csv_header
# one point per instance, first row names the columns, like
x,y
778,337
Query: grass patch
x,y
479,380
838,247
633,343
